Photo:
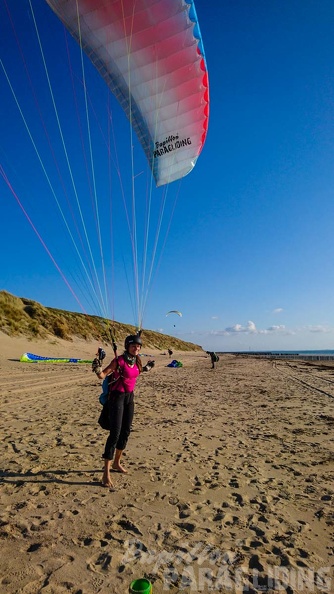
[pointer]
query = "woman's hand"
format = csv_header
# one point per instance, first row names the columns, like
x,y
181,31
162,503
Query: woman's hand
x,y
96,367
149,365
101,374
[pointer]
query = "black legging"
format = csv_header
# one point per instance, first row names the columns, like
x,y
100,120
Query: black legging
x,y
121,410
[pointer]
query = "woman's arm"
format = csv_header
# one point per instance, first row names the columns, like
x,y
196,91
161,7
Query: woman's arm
x,y
101,374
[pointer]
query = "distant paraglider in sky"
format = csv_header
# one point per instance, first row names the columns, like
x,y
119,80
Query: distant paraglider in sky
x,y
174,311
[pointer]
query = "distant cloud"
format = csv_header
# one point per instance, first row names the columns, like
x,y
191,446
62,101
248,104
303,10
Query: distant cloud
x,y
214,318
250,328
238,328
276,328
235,328
319,329
278,310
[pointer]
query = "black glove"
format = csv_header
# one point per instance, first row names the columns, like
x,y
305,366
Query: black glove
x,y
96,367
149,365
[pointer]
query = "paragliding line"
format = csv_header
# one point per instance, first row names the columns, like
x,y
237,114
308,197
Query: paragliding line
x,y
66,153
39,237
46,132
45,173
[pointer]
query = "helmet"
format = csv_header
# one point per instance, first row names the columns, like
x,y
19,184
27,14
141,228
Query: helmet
x,y
132,339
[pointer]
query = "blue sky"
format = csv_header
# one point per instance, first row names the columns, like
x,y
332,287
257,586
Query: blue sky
x,y
248,256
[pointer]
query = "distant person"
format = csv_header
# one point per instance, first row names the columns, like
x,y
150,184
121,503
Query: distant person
x,y
99,358
101,354
170,352
214,358
126,369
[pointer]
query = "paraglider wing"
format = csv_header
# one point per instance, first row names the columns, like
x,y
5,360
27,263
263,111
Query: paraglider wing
x,y
174,311
151,56
31,358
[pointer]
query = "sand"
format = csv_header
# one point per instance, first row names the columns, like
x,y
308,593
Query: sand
x,y
230,483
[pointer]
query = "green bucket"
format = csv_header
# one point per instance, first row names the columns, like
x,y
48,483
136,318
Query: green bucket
x,y
142,586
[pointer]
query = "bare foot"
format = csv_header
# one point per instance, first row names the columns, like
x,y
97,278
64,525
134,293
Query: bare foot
x,y
106,482
119,468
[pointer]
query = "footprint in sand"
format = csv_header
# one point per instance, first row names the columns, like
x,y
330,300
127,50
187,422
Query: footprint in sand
x,y
173,500
184,510
238,498
230,520
99,563
234,483
34,547
167,479
187,526
126,524
254,563
261,506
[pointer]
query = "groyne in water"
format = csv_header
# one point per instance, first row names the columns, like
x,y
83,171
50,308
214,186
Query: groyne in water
x,y
294,356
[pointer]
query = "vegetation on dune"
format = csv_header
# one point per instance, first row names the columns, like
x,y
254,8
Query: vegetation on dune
x,y
20,316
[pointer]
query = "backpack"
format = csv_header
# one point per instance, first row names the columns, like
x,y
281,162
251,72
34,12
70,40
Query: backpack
x,y
107,383
103,398
215,357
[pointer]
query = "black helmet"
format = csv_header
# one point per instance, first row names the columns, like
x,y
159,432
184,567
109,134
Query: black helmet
x,y
132,339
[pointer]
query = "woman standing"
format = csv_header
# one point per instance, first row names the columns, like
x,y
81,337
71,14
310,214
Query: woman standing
x,y
126,370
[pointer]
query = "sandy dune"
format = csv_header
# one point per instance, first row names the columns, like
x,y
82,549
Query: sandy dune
x,y
230,485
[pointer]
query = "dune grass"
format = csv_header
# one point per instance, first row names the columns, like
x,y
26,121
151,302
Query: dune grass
x,y
25,317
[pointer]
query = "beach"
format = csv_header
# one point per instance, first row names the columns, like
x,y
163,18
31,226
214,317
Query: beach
x,y
230,483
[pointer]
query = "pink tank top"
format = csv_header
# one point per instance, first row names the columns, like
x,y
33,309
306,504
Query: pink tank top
x,y
129,376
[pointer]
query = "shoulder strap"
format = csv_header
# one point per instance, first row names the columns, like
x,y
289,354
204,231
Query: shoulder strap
x,y
113,381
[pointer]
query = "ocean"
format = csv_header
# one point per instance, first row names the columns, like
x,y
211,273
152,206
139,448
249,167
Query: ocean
x,y
321,355
324,352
